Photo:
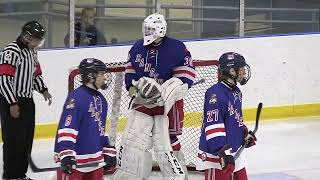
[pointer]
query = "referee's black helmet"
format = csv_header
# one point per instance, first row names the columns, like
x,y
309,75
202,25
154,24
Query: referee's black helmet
x,y
34,29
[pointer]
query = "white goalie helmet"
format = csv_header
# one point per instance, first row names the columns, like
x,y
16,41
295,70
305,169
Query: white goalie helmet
x,y
153,27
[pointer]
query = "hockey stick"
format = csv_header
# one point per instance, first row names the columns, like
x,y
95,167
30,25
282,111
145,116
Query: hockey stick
x,y
199,82
254,131
37,169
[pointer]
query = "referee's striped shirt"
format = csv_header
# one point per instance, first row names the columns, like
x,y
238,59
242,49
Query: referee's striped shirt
x,y
20,72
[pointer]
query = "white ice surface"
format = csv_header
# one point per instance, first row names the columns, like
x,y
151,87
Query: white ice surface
x,y
285,150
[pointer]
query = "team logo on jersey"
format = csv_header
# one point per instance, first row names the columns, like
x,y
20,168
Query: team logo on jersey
x,y
140,60
230,109
71,104
213,99
68,120
152,53
237,114
95,109
237,95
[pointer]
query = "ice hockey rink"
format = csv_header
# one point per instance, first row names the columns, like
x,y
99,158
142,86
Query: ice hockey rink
x,y
287,149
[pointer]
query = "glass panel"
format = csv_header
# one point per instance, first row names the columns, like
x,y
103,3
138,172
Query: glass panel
x,y
226,23
13,14
117,21
294,17
58,23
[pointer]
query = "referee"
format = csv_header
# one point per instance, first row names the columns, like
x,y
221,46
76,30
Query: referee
x,y
20,74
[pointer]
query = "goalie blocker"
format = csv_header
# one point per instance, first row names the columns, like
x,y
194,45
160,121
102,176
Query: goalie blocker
x,y
148,127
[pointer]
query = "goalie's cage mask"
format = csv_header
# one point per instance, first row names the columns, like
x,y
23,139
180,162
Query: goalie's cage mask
x,y
89,69
153,27
233,62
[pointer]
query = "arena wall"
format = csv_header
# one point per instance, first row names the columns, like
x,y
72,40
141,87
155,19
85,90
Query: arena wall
x,y
285,74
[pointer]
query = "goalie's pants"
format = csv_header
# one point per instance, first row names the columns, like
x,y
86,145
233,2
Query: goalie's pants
x,y
175,115
217,174
77,175
17,137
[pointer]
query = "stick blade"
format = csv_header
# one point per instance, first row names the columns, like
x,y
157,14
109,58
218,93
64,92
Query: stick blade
x,y
259,109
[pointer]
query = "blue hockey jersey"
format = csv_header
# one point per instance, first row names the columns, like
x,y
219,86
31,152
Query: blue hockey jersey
x,y
81,129
162,62
222,124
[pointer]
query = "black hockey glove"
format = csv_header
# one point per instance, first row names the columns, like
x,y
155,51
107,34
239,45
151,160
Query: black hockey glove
x,y
110,157
226,160
249,138
68,164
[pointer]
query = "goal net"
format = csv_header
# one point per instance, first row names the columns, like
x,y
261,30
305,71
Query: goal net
x,y
118,101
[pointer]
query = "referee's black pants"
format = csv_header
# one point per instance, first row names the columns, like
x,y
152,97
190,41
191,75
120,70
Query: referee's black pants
x,y
17,137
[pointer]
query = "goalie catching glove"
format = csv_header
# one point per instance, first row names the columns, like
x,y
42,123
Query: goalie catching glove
x,y
146,91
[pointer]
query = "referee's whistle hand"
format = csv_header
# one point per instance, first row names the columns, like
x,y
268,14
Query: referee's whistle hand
x,y
47,97
15,110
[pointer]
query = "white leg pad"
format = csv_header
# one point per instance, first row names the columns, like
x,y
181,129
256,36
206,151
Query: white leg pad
x,y
168,163
182,160
170,166
119,174
134,159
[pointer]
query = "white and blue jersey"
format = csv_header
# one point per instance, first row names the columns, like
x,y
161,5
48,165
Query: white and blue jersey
x,y
169,59
81,129
222,124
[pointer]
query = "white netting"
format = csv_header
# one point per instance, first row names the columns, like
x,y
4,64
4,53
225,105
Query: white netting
x,y
118,100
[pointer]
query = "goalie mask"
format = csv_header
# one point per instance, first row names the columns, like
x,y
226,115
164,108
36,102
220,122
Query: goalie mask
x,y
233,65
153,27
89,69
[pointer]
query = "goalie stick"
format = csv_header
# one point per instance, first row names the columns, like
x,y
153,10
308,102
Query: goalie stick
x,y
37,169
199,82
254,131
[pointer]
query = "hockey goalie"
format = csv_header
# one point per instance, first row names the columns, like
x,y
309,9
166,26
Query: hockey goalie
x,y
158,74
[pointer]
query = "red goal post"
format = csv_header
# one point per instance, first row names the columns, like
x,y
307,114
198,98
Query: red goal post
x,y
118,101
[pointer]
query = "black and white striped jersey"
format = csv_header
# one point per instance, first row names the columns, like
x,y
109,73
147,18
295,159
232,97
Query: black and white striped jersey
x,y
20,72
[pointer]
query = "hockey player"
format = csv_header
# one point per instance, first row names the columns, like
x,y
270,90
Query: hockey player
x,y
223,131
81,136
158,74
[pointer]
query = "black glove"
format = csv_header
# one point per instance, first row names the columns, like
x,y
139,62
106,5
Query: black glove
x,y
68,164
226,160
110,157
249,138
